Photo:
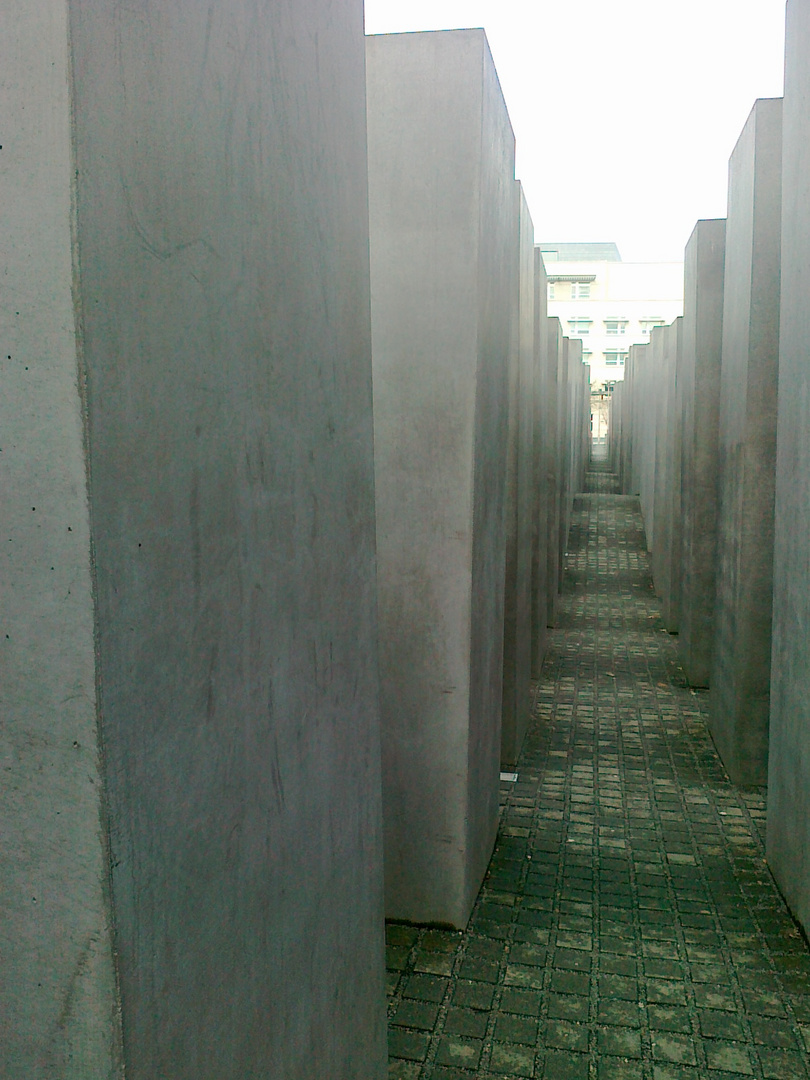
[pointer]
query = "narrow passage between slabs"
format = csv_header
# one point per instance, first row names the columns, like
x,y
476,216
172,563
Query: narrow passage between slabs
x,y
628,927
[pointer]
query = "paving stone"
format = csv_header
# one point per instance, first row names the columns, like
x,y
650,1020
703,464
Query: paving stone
x,y
466,1022
411,1045
565,1036
619,1041
456,1050
512,1060
783,1064
619,1012
516,1029
611,1069
416,1014
674,1047
473,995
561,1066
730,1057
404,1070
628,927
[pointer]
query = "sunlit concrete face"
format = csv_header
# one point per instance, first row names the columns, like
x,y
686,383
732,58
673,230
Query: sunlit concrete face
x,y
789,752
443,214
194,713
702,343
740,681
520,500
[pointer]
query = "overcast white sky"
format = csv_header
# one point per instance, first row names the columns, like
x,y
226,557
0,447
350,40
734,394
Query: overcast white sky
x,y
625,111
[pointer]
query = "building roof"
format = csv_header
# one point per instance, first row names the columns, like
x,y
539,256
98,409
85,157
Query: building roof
x,y
590,252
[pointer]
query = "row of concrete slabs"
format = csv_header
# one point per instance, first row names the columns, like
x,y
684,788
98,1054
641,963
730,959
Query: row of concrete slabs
x,y
289,471
710,430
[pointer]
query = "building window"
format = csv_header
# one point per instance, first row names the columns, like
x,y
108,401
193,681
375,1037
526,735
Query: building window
x,y
614,357
615,326
648,324
551,290
586,356
580,290
580,327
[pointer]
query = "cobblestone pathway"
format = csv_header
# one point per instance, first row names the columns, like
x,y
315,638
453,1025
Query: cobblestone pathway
x,y
628,926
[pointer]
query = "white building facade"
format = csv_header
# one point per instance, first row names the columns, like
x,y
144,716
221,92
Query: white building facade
x,y
608,303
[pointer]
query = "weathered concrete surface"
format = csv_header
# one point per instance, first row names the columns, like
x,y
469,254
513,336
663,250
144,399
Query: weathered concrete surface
x,y
220,277
660,494
702,345
542,449
740,680
648,381
520,499
58,1010
443,213
671,543
788,838
554,388
636,428
571,433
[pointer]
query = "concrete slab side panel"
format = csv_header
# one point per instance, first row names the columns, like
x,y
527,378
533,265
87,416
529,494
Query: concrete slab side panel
x,y
497,214
702,343
221,201
670,570
58,999
740,698
441,329
540,514
651,392
788,830
563,451
517,644
553,467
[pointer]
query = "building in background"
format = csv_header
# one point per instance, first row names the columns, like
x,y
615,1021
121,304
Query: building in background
x,y
608,303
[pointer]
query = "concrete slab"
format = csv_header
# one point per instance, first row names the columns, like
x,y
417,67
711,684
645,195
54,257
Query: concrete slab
x,y
189,617
570,402
669,574
443,230
553,457
520,496
648,382
58,997
788,834
702,345
635,375
541,508
740,680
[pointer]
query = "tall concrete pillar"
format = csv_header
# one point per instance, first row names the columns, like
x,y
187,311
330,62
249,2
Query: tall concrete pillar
x,y
443,234
191,842
670,560
541,509
568,403
553,457
520,494
636,374
740,681
702,344
788,830
649,384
